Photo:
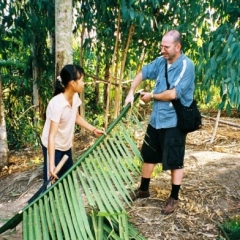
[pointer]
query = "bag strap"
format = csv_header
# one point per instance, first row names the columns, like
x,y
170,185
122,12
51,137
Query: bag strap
x,y
166,75
180,76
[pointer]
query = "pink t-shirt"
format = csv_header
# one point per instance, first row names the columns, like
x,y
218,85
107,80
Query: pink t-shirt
x,y
60,111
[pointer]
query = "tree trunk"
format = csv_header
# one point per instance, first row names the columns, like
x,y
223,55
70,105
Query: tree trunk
x,y
63,35
63,31
107,96
82,95
96,84
119,88
116,57
3,133
35,92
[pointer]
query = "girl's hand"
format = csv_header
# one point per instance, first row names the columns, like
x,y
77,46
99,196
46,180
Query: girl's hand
x,y
52,174
98,132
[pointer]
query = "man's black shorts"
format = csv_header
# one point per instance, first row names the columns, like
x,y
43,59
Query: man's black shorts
x,y
166,146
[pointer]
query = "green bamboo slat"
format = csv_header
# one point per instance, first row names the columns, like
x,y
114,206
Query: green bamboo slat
x,y
104,185
131,163
71,200
130,159
124,149
116,178
30,224
129,156
120,227
138,124
79,207
68,215
72,196
86,188
121,166
124,221
43,220
25,225
61,215
134,233
129,138
119,185
106,173
94,223
49,218
98,186
55,216
125,155
100,228
111,233
119,163
94,190
133,145
37,223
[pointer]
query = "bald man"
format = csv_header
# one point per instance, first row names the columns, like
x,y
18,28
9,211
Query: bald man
x,y
164,142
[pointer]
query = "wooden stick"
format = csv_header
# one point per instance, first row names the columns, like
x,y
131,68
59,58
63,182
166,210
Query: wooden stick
x,y
223,122
44,187
216,126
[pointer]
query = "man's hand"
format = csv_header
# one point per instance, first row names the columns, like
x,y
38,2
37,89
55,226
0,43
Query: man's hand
x,y
146,96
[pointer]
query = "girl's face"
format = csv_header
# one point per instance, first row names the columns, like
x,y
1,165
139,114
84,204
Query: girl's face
x,y
78,85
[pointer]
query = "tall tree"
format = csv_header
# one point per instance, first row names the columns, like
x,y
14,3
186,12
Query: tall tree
x,y
3,132
63,34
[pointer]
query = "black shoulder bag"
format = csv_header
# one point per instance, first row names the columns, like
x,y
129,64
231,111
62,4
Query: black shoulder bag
x,y
189,118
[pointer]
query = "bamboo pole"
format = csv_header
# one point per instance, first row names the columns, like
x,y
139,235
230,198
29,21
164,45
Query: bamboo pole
x,y
216,126
116,60
123,62
223,122
105,81
81,60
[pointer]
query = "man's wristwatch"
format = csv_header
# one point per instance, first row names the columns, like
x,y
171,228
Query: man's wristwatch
x,y
152,96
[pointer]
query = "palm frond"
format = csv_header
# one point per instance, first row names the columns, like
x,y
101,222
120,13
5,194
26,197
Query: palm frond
x,y
89,201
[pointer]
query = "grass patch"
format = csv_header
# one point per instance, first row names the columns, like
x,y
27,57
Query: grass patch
x,y
231,228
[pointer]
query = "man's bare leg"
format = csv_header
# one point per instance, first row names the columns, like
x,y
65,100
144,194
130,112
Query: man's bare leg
x,y
177,176
147,169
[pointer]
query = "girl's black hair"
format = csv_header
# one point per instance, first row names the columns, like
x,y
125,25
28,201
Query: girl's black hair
x,y
68,73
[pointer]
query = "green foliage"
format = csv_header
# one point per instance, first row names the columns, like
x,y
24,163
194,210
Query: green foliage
x,y
231,228
157,171
23,40
219,60
210,30
232,225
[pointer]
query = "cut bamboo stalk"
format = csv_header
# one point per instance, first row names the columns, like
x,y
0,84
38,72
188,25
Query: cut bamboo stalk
x,y
216,126
223,122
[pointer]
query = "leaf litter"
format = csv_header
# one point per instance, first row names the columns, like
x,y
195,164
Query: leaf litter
x,y
210,191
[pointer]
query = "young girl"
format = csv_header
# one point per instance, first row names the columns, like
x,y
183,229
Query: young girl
x,y
61,116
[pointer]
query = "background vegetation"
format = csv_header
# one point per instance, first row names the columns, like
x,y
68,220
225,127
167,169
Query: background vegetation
x,y
112,40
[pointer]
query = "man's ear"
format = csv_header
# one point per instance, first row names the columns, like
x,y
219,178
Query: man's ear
x,y
178,47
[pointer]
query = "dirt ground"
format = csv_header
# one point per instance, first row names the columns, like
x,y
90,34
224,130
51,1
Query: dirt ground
x,y
210,193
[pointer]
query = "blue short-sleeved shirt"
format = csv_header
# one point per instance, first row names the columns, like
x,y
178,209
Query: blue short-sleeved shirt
x,y
181,75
